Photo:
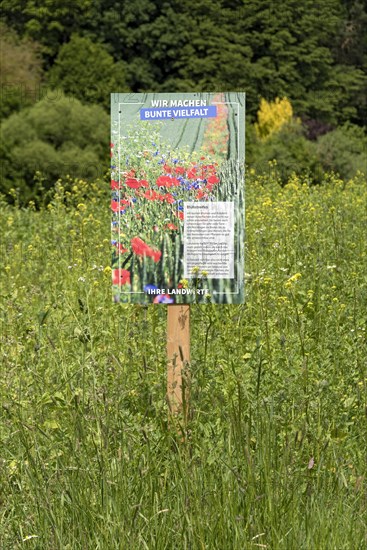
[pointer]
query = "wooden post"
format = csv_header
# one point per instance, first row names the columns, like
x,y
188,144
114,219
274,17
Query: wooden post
x,y
178,355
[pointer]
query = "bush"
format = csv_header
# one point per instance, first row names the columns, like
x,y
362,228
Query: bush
x,y
291,151
344,150
53,139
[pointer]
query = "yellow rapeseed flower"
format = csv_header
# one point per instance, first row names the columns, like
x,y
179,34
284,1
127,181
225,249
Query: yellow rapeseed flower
x,y
293,279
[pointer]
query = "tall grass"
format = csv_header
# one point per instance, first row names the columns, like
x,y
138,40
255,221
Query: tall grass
x,y
274,454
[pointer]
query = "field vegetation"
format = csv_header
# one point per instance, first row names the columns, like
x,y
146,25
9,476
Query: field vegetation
x,y
273,455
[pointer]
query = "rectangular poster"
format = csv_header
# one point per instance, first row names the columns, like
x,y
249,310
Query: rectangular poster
x,y
177,184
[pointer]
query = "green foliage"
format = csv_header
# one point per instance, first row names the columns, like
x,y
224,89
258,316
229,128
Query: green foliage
x,y
292,152
352,51
20,72
56,137
314,53
84,69
50,23
344,150
131,31
340,100
293,57
208,40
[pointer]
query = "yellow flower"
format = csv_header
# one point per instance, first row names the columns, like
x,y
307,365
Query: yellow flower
x,y
272,116
292,280
184,283
294,277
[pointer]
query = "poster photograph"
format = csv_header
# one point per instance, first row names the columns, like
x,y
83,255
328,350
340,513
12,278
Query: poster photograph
x,y
177,198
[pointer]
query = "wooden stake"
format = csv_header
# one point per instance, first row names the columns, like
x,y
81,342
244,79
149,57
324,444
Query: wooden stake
x,y
178,355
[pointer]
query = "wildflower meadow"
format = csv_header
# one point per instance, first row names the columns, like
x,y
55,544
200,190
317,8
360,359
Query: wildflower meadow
x,y
274,453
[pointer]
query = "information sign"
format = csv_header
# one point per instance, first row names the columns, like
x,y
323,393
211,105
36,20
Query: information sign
x,y
177,184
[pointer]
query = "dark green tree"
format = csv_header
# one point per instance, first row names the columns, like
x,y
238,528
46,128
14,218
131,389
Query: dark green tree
x,y
50,23
125,27
312,52
293,47
351,50
87,71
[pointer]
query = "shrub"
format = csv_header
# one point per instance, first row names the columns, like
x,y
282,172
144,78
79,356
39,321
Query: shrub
x,y
291,151
53,139
344,150
272,116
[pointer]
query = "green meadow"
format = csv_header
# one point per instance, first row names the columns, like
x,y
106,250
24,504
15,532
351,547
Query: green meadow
x,y
274,452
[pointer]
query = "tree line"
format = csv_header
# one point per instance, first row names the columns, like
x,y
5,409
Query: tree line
x,y
313,53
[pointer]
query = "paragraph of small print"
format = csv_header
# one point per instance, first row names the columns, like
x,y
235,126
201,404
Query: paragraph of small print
x,y
209,239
